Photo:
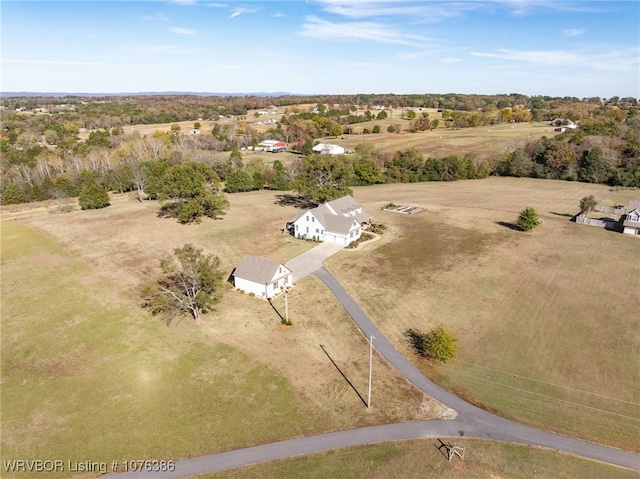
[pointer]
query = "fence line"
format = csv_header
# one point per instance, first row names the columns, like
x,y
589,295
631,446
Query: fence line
x,y
610,209
610,225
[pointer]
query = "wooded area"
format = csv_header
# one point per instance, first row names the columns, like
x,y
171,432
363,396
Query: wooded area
x,y
43,155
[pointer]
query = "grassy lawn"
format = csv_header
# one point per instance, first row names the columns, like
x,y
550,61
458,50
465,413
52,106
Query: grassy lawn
x,y
88,375
421,458
85,378
546,320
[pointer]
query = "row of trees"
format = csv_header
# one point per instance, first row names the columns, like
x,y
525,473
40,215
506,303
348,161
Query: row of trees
x,y
110,111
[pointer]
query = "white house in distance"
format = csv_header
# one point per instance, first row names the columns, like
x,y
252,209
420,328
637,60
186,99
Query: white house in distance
x,y
338,222
261,276
328,149
631,225
274,146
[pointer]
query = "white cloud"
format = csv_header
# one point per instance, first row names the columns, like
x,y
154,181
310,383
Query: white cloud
x,y
318,28
78,63
573,32
183,31
158,16
450,60
278,15
183,2
609,60
239,11
215,5
432,12
159,48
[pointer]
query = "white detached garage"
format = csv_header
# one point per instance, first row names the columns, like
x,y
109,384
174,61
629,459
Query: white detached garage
x,y
263,277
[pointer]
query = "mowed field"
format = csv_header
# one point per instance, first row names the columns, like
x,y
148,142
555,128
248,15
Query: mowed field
x,y
484,142
420,458
547,320
87,375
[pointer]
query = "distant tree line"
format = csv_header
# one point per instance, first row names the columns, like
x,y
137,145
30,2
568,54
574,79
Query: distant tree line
x,y
604,149
42,158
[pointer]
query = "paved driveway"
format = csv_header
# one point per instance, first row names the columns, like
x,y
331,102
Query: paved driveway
x,y
471,421
310,261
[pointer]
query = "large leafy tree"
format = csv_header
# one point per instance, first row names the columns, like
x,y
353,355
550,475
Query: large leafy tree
x,y
93,197
191,283
193,191
279,178
239,180
323,178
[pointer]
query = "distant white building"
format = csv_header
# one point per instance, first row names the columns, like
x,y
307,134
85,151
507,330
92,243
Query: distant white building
x,y
328,149
273,146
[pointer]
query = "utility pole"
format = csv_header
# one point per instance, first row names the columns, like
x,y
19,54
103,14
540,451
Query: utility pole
x,y
370,370
286,306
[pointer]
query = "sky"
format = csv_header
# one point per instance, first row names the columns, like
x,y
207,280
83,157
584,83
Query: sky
x,y
561,48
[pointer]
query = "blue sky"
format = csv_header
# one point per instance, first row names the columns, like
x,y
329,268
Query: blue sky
x,y
557,48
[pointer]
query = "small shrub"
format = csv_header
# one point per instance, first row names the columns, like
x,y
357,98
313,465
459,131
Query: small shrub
x,y
439,344
389,205
377,228
588,203
252,294
528,219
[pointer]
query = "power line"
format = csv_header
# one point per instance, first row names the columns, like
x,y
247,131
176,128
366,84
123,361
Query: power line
x,y
550,384
550,397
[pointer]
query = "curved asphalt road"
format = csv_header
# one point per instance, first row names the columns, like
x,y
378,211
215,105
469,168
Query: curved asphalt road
x,y
471,421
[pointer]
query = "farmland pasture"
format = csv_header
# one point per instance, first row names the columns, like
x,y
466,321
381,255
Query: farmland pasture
x,y
546,320
87,374
421,458
533,312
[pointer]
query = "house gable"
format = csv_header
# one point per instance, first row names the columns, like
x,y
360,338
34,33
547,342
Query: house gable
x,y
339,221
261,276
631,224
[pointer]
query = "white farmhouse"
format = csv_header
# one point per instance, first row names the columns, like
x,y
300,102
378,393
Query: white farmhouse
x,y
261,276
631,225
338,222
328,149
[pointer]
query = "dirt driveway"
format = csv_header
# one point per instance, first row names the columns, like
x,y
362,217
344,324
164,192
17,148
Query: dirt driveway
x,y
311,260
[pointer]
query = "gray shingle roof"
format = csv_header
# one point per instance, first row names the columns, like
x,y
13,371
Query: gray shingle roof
x,y
331,215
337,224
633,205
347,205
258,270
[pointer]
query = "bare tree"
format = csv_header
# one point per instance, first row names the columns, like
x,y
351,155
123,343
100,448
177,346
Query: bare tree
x,y
191,283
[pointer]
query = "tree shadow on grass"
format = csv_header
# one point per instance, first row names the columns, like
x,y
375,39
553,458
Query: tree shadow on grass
x,y
298,201
345,377
566,215
416,341
511,226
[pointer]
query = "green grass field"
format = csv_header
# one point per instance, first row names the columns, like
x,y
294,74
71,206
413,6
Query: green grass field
x,y
84,378
546,320
87,375
421,458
